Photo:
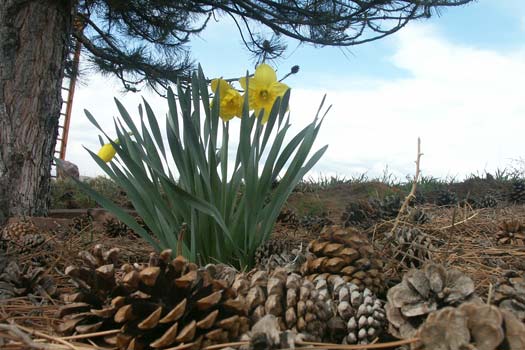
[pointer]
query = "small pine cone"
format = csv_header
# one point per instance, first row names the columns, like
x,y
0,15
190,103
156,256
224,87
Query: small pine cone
x,y
511,232
14,231
360,310
510,295
357,214
288,217
411,246
266,334
20,280
487,201
82,223
116,228
348,253
314,224
164,304
446,198
390,206
517,192
279,252
418,216
472,325
422,292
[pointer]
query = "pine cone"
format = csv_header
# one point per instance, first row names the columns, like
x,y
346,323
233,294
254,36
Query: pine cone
x,y
288,253
314,224
20,280
418,216
266,334
487,201
517,193
294,300
446,198
163,304
472,325
14,231
390,206
348,253
411,246
288,217
116,228
511,232
510,295
360,310
420,293
358,214
82,223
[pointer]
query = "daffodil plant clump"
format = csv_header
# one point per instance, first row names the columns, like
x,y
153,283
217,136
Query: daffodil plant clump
x,y
211,204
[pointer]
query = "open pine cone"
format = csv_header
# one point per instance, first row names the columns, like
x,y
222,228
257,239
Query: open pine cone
x,y
347,253
511,232
472,325
422,292
510,295
163,304
23,279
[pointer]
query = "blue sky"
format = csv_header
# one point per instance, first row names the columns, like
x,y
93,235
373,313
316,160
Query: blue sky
x,y
456,80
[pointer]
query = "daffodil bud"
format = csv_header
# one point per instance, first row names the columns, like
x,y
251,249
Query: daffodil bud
x,y
107,152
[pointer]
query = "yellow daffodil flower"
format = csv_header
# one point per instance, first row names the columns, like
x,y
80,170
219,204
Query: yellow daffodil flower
x,y
107,152
263,90
231,100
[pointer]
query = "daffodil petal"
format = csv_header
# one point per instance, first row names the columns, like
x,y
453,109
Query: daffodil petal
x,y
265,75
220,84
278,89
242,81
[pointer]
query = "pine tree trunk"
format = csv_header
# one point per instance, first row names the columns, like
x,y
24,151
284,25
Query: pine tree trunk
x,y
33,48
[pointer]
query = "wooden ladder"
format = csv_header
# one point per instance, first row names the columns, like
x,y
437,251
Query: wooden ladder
x,y
68,92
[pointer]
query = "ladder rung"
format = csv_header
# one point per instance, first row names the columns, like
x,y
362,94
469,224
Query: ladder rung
x,y
65,88
61,127
64,114
59,139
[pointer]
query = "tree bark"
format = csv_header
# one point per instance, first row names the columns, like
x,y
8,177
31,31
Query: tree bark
x,y
33,48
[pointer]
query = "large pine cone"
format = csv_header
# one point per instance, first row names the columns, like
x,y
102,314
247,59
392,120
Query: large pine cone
x,y
422,292
472,325
294,300
162,304
348,253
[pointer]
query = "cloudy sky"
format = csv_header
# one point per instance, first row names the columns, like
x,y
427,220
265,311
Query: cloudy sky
x,y
457,81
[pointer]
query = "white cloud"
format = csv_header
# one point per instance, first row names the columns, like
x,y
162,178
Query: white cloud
x,y
467,104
